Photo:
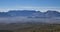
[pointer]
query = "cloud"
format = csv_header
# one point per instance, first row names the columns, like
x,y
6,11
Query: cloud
x,y
42,9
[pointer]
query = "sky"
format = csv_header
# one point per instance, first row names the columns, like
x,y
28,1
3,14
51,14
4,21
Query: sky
x,y
38,5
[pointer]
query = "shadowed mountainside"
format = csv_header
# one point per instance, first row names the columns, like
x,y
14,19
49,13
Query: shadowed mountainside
x,y
30,13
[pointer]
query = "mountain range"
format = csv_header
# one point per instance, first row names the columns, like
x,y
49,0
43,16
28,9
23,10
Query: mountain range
x,y
30,13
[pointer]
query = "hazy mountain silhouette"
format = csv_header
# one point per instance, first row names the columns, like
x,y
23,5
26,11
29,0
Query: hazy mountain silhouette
x,y
30,13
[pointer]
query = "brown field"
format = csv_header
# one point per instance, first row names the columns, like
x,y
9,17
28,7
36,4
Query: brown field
x,y
31,28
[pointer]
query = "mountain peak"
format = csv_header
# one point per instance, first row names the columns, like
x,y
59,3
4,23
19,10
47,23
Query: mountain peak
x,y
30,13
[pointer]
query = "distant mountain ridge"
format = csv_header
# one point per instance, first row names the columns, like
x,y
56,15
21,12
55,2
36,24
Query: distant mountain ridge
x,y
30,13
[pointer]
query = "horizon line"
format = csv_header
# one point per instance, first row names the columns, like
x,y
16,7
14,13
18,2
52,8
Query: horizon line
x,y
28,10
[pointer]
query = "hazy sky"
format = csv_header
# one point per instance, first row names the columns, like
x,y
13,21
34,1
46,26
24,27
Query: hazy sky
x,y
41,5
